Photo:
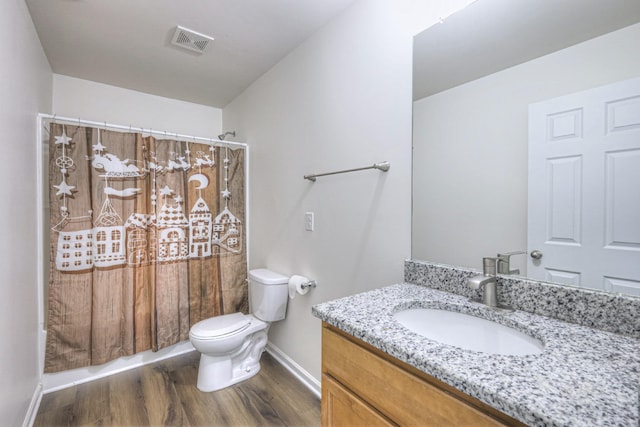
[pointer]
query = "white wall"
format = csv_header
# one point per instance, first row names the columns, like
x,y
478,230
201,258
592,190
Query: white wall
x,y
99,102
340,100
473,140
25,90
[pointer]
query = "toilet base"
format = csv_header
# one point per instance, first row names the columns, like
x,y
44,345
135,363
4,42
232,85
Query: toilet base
x,y
218,372
213,375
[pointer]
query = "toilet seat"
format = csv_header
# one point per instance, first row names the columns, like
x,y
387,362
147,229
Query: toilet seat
x,y
220,326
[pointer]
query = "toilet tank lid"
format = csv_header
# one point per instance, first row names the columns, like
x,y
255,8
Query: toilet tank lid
x,y
267,277
220,325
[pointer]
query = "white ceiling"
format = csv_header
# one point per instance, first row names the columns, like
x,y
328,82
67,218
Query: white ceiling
x,y
492,35
127,43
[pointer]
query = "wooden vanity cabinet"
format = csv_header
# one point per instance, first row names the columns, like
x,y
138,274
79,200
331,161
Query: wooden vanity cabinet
x,y
363,386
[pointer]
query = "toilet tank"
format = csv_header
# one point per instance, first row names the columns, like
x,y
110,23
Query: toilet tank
x,y
268,294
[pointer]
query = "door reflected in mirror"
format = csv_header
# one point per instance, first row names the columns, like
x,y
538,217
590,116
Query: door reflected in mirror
x,y
471,140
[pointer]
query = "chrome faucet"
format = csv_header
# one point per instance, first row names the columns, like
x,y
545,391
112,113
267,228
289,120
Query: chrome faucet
x,y
486,281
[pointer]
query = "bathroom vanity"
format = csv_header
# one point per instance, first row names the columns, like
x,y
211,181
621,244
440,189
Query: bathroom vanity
x,y
362,385
377,372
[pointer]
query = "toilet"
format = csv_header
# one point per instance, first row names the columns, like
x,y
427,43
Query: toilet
x,y
231,344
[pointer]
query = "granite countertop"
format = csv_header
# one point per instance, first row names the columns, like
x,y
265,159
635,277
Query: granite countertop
x,y
584,376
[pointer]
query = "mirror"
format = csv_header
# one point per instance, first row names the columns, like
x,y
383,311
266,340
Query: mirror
x,y
475,76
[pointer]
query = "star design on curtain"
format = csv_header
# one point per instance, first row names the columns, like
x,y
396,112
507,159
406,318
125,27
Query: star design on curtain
x,y
63,139
64,188
99,148
166,191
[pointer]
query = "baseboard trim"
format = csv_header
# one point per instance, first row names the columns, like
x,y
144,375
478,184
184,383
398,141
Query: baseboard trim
x,y
30,416
60,380
305,377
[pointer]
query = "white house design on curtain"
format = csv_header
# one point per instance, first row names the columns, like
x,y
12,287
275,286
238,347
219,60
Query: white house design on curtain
x,y
141,239
75,249
109,237
200,224
102,245
226,231
172,228
165,236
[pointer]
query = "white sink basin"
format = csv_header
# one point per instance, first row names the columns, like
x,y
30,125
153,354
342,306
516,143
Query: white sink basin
x,y
468,332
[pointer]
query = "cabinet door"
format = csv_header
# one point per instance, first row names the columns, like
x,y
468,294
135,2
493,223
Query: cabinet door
x,y
403,397
341,408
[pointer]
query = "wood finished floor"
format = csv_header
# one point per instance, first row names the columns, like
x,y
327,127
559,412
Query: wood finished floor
x,y
164,394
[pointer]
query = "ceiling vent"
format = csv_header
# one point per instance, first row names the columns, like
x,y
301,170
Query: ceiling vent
x,y
188,39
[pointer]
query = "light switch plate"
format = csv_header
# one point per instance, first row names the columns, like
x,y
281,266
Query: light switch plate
x,y
309,221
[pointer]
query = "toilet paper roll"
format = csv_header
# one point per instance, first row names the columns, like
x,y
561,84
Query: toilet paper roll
x,y
295,285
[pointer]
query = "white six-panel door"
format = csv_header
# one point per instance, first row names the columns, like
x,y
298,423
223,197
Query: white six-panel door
x,y
584,188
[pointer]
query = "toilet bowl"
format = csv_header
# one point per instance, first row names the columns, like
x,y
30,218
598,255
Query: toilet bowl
x,y
231,344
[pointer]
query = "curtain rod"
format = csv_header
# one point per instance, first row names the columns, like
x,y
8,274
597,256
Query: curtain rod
x,y
55,117
383,166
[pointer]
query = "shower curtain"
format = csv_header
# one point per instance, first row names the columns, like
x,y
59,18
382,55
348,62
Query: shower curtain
x,y
146,239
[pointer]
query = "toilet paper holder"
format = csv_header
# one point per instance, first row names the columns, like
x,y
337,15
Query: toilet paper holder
x,y
309,284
